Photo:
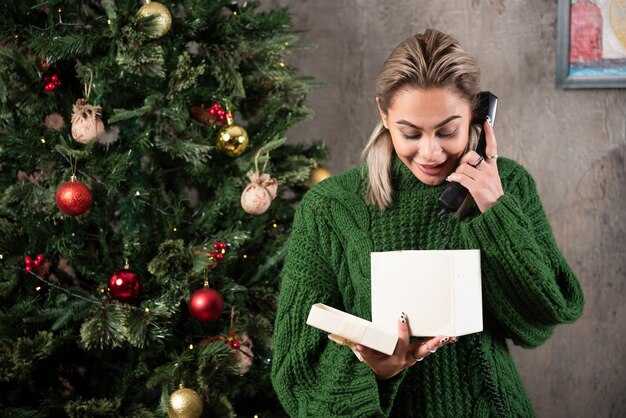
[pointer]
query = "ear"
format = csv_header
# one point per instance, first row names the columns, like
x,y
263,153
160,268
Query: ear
x,y
383,116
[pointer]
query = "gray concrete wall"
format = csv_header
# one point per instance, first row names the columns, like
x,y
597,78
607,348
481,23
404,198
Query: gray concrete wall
x,y
572,141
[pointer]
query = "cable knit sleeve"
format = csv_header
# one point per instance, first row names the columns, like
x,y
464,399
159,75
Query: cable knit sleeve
x,y
527,285
313,376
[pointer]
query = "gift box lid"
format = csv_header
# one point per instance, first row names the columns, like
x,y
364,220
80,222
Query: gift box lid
x,y
351,329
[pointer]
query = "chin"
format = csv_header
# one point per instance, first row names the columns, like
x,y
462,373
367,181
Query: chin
x,y
428,180
432,182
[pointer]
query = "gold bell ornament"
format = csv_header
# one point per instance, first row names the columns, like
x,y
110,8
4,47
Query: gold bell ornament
x,y
259,193
232,139
162,18
184,403
87,123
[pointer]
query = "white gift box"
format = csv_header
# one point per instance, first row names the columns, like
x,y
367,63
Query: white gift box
x,y
438,290
351,330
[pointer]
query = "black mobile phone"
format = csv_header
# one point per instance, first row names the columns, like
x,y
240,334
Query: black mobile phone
x,y
454,194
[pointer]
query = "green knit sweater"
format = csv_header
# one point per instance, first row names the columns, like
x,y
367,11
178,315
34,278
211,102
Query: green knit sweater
x,y
528,288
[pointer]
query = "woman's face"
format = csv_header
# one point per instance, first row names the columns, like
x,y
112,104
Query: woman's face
x,y
429,130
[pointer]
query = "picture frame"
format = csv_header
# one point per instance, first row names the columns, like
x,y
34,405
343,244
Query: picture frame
x,y
591,44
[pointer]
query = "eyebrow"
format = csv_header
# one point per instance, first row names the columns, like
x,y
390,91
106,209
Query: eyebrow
x,y
409,124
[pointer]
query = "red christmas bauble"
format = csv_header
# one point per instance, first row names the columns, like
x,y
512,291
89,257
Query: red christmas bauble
x,y
206,305
124,285
74,198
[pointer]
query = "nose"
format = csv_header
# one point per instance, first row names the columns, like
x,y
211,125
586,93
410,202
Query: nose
x,y
429,147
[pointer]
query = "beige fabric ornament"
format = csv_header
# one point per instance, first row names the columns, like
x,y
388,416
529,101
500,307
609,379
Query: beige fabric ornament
x,y
244,356
35,177
109,136
54,121
259,193
87,123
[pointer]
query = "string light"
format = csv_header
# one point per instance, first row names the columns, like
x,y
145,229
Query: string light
x,y
109,21
88,299
282,65
275,225
61,23
245,256
43,140
191,346
137,195
174,229
147,309
38,288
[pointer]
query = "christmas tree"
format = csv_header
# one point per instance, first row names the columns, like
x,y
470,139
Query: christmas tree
x,y
146,196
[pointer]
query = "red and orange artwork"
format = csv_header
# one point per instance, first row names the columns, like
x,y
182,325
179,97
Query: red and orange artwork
x,y
597,37
585,32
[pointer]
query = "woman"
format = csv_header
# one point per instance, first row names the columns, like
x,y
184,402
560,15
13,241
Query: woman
x,y
426,95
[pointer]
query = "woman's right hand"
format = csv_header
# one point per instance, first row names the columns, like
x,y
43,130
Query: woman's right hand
x,y
405,355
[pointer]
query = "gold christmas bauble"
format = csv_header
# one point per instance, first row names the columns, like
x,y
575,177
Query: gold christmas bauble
x,y
232,139
162,18
318,174
184,403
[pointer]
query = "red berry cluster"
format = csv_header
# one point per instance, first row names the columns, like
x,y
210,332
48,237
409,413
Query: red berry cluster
x,y
220,248
52,81
219,112
31,264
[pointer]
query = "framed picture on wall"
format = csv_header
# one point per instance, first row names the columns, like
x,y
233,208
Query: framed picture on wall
x,y
591,44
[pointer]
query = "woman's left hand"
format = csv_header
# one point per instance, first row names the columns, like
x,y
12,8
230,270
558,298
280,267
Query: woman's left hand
x,y
480,176
406,354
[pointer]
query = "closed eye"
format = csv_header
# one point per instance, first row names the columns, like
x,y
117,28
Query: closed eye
x,y
440,134
447,134
414,136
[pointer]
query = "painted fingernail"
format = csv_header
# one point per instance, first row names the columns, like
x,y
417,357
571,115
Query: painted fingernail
x,y
403,318
444,340
488,120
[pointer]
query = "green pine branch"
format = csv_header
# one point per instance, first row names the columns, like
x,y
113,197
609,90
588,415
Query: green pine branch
x,y
163,194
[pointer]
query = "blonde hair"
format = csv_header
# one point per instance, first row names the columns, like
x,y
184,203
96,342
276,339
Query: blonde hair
x,y
429,60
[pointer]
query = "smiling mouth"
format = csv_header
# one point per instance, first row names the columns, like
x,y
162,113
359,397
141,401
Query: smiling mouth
x,y
431,169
